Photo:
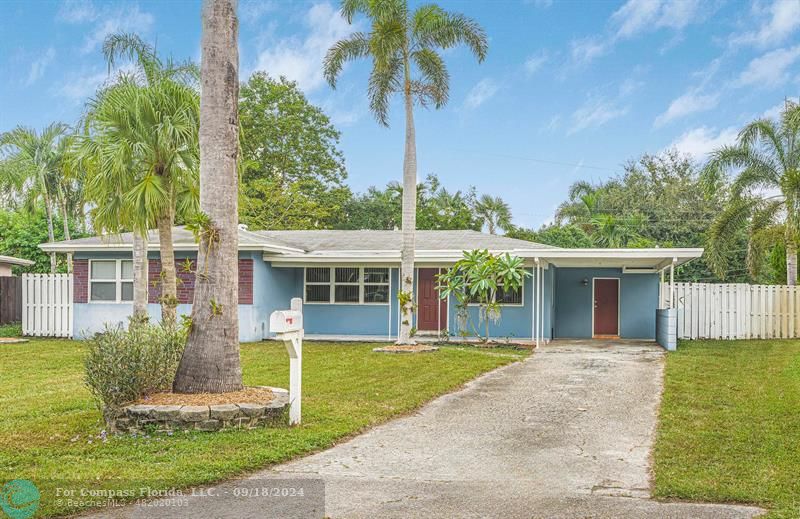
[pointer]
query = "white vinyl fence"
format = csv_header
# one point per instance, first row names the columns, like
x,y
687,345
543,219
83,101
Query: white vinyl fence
x,y
735,310
47,305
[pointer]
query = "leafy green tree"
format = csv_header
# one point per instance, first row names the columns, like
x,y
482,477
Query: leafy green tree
x,y
139,153
476,279
32,164
404,48
765,192
494,213
23,232
437,208
266,204
567,236
286,139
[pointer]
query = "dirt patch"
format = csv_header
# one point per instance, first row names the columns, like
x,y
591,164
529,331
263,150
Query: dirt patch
x,y
252,395
406,348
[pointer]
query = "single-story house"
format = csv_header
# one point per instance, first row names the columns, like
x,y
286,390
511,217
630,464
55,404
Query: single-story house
x,y
7,262
349,282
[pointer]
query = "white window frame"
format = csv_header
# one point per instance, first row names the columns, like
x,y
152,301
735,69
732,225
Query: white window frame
x,y
332,283
118,281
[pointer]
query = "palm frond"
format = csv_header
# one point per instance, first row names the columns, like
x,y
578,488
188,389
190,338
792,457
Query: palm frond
x,y
350,49
431,26
435,84
721,236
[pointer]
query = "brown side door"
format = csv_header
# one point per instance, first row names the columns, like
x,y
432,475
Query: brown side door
x,y
606,307
431,311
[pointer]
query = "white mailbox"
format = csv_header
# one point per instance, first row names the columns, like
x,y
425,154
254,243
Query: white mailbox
x,y
283,321
287,325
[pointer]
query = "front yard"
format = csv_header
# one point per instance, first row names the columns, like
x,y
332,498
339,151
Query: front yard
x,y
730,424
50,430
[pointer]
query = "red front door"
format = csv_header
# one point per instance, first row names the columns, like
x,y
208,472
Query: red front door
x,y
606,307
431,311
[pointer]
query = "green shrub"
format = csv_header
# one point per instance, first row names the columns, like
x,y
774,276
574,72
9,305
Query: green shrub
x,y
11,330
125,365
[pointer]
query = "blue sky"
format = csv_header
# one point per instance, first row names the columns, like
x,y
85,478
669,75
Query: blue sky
x,y
569,90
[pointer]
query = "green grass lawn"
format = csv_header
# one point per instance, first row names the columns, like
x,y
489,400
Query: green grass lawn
x,y
730,424
10,330
50,425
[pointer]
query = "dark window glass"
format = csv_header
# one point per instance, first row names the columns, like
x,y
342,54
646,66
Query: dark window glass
x,y
347,274
318,293
376,293
376,275
346,294
318,275
127,291
510,297
105,291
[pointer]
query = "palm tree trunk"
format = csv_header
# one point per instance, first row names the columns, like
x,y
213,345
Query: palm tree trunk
x,y
140,274
51,235
66,231
211,362
169,290
791,261
409,224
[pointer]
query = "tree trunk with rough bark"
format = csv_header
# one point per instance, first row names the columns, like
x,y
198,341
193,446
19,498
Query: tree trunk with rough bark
x,y
67,236
211,361
140,275
168,282
51,235
409,224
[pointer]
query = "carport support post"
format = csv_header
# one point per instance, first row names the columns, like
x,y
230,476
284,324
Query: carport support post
x,y
672,283
536,290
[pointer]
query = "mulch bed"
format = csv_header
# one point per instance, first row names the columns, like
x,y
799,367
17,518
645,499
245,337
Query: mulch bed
x,y
406,348
252,395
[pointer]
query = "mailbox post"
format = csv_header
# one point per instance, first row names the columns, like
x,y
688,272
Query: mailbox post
x,y
287,325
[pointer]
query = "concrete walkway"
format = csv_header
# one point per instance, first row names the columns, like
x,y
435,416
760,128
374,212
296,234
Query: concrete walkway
x,y
566,433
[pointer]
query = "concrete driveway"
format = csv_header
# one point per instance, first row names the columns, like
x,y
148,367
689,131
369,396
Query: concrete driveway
x,y
566,433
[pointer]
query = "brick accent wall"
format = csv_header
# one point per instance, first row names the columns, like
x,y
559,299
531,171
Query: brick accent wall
x,y
186,281
80,281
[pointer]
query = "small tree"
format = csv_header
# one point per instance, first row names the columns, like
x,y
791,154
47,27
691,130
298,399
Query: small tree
x,y
475,279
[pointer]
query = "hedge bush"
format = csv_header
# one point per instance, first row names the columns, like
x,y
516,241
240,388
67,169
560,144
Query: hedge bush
x,y
125,365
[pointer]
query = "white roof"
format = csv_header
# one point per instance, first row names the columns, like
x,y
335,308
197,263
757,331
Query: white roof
x,y
290,248
16,261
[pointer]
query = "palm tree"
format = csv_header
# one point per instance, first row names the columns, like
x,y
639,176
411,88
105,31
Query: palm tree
x,y
403,46
614,232
210,362
582,205
33,164
494,213
141,135
765,195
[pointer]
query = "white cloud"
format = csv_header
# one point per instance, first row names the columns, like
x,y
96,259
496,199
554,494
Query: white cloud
x,y
39,65
699,142
251,11
594,113
534,63
588,49
127,19
300,59
541,4
79,87
689,103
779,21
639,16
769,69
77,11
776,111
483,90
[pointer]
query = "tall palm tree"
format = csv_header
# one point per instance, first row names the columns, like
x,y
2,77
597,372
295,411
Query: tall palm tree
x,y
765,194
32,163
494,212
210,362
616,232
403,46
583,203
142,134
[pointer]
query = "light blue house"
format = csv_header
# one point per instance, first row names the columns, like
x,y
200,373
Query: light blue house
x,y
349,281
